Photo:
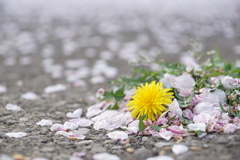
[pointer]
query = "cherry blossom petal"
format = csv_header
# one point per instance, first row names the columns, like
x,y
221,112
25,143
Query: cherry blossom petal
x,y
229,82
29,96
3,89
105,156
118,135
95,109
13,107
179,149
70,135
162,157
57,127
75,114
230,128
70,126
168,80
165,134
203,107
55,88
45,122
184,84
174,108
16,134
82,122
197,127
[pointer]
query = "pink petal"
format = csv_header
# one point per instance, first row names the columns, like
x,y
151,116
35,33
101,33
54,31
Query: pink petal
x,y
105,156
16,134
75,114
230,128
45,122
118,135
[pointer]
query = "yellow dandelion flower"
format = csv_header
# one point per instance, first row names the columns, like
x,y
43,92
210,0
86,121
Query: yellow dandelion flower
x,y
150,100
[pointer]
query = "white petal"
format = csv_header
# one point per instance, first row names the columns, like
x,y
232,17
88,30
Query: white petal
x,y
16,134
55,88
174,108
57,127
13,107
82,122
197,127
163,157
29,96
70,126
45,122
76,114
165,134
179,149
118,135
3,89
105,156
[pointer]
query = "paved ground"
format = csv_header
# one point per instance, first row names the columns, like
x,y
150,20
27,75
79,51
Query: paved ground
x,y
82,50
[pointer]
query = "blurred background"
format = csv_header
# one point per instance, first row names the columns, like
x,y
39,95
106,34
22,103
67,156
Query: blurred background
x,y
88,42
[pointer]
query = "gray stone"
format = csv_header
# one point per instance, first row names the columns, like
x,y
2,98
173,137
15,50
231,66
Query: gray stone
x,y
145,139
162,144
81,131
97,148
48,149
23,119
86,142
5,157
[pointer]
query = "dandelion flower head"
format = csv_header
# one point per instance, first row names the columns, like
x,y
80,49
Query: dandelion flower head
x,y
150,100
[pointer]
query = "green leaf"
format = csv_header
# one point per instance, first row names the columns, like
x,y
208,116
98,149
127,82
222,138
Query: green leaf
x,y
221,106
233,113
141,125
171,119
115,107
156,127
176,94
199,132
109,95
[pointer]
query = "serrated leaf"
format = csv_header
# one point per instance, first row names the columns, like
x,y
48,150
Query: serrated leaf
x,y
171,119
141,125
177,95
156,127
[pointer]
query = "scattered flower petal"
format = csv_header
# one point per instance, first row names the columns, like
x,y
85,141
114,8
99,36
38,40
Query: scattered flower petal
x,y
13,107
179,149
16,134
105,156
45,122
55,88
75,114
118,135
29,96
